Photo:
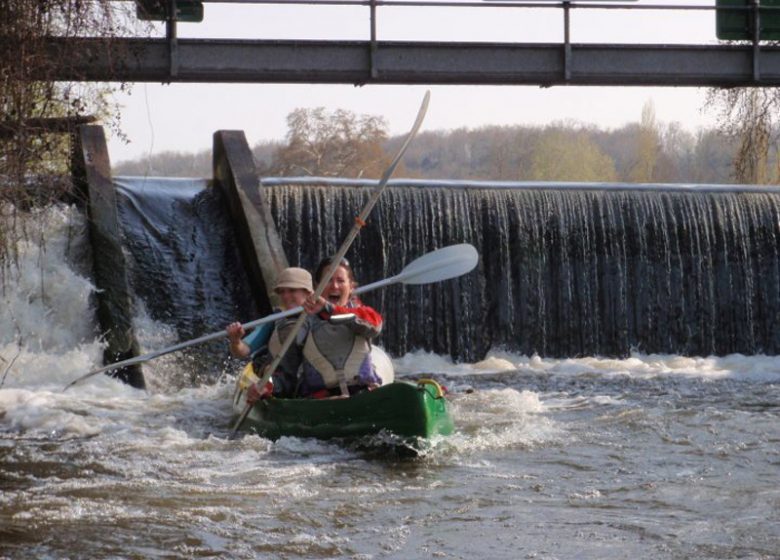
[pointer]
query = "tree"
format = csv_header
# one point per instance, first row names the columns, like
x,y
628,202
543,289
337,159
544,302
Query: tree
x,y
567,155
263,154
675,163
647,146
30,103
508,153
748,116
712,158
25,103
168,163
332,144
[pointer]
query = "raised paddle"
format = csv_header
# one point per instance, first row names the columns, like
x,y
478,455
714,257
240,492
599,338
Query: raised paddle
x,y
335,261
442,264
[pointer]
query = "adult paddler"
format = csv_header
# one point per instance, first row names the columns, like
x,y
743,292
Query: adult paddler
x,y
337,348
293,286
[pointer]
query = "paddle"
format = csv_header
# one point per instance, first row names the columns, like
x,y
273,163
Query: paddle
x,y
442,264
335,261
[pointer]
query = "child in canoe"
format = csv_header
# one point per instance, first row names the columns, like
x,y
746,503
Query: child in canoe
x,y
337,348
293,286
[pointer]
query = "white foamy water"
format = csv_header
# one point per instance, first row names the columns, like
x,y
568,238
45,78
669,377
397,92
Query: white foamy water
x,y
648,366
649,456
47,330
45,302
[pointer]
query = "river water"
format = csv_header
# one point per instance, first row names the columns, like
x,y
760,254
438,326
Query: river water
x,y
652,456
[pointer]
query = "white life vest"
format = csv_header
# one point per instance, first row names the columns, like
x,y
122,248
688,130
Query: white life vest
x,y
336,353
292,358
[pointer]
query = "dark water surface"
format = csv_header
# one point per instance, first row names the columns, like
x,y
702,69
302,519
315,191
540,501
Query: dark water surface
x,y
650,457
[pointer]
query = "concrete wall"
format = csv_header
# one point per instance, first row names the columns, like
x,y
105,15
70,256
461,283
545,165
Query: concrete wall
x,y
92,173
258,240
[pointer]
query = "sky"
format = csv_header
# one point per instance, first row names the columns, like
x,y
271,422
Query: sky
x,y
183,117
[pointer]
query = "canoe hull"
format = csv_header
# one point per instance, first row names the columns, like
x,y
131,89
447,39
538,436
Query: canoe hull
x,y
404,409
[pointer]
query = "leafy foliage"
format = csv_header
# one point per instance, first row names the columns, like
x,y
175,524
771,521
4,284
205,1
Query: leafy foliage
x,y
36,111
748,117
572,152
30,96
561,155
337,144
648,144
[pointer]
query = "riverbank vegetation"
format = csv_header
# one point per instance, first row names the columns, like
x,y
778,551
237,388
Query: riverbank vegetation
x,y
644,151
38,114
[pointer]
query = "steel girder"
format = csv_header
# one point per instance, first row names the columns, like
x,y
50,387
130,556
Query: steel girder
x,y
362,62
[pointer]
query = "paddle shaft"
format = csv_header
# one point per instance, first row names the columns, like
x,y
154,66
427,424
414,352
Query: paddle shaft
x,y
335,261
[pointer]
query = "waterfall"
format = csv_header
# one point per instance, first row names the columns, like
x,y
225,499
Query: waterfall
x,y
564,271
184,265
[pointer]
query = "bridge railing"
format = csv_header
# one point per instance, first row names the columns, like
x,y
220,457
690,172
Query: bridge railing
x,y
511,21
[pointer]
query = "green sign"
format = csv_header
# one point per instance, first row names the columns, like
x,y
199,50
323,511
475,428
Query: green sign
x,y
737,25
157,10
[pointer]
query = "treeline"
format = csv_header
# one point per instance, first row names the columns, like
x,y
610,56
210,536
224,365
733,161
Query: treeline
x,y
344,145
570,152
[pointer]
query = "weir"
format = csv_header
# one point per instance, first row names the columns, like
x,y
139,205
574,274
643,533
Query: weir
x,y
565,270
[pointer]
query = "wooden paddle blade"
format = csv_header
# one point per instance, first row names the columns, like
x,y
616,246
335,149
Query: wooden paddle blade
x,y
443,264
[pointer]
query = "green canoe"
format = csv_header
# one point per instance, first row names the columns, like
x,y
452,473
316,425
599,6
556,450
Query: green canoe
x,y
409,410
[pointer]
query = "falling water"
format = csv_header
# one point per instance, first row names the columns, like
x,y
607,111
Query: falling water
x,y
564,271
185,269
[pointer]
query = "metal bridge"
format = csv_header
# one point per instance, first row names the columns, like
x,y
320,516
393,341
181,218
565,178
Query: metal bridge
x,y
750,62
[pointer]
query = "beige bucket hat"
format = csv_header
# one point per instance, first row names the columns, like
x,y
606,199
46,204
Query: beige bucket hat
x,y
294,278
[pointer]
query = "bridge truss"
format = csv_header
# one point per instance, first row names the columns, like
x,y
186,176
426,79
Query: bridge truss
x,y
751,62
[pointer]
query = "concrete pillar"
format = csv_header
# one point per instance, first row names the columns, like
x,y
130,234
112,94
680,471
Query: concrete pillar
x,y
259,242
92,175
